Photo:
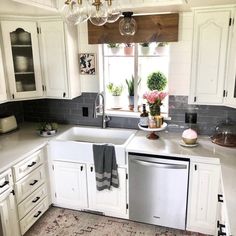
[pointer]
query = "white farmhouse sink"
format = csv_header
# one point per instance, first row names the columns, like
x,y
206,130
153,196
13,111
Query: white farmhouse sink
x,y
97,135
76,144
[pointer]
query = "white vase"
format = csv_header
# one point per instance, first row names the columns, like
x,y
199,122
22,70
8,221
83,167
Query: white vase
x,y
116,101
161,50
115,51
145,50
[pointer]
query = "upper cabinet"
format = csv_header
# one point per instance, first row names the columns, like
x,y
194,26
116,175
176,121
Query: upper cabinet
x,y
3,93
230,88
41,59
21,51
209,59
59,56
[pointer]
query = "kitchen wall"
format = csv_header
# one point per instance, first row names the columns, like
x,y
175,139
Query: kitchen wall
x,y
70,111
12,108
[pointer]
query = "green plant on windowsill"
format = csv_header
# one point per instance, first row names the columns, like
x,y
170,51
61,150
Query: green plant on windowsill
x,y
145,45
115,90
113,45
162,44
157,81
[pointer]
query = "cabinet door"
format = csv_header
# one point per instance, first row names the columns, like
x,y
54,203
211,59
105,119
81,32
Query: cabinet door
x,y
20,41
230,99
70,185
111,202
52,45
211,30
3,93
202,201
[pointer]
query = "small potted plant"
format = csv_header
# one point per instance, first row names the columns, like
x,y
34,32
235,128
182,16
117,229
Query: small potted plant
x,y
161,48
115,91
157,81
114,47
145,50
130,86
46,129
128,49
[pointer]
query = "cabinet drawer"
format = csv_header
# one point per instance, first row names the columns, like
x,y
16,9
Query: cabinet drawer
x,y
33,216
5,180
33,200
28,184
27,165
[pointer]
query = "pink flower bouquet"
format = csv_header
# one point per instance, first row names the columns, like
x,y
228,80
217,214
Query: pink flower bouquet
x,y
155,97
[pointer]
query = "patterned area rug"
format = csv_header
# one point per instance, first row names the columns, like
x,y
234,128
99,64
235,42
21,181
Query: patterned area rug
x,y
64,222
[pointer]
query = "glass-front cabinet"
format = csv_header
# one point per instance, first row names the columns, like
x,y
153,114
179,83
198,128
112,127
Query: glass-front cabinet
x,y
21,51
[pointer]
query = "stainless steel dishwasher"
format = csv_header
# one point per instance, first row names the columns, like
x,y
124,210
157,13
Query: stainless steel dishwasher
x,y
158,188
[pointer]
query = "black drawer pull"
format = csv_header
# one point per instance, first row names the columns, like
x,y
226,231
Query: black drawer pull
x,y
220,233
220,196
35,181
4,184
81,168
37,215
91,169
36,199
32,164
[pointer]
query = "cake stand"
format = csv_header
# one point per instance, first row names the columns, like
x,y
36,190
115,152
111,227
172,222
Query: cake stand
x,y
152,131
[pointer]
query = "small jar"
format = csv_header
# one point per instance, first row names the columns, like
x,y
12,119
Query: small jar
x,y
159,121
152,122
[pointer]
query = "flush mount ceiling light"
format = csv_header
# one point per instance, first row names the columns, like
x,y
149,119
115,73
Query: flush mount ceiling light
x,y
98,12
127,25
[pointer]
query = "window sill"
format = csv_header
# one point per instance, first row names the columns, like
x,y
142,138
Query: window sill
x,y
129,114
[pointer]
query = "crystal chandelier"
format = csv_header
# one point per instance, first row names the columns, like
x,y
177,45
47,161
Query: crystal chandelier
x,y
98,12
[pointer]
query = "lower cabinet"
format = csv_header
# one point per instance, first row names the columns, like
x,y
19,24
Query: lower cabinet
x,y
75,188
202,201
70,185
31,189
112,202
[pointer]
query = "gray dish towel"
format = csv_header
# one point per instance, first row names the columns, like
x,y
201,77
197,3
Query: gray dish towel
x,y
105,166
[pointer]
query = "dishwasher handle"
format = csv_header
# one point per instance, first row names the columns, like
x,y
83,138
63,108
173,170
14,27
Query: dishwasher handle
x,y
159,164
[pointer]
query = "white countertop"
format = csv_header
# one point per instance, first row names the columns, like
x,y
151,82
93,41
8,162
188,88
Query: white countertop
x,y
206,152
17,145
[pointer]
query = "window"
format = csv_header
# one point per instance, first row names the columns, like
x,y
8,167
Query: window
x,y
126,61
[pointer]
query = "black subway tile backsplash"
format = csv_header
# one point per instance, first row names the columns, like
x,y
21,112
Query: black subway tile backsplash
x,y
70,112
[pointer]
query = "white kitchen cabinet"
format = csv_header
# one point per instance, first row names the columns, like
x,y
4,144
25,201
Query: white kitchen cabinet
x,y
209,55
21,51
202,200
58,47
70,185
8,212
110,202
230,87
3,93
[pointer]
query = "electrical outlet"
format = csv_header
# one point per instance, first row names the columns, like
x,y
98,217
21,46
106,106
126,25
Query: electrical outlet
x,y
190,118
85,111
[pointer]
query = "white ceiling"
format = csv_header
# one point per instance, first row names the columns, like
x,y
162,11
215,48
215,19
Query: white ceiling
x,y
9,7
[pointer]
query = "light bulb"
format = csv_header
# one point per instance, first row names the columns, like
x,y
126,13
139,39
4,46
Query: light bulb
x,y
127,25
82,11
76,11
113,10
98,14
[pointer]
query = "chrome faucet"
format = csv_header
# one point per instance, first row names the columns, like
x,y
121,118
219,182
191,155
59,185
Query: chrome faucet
x,y
97,108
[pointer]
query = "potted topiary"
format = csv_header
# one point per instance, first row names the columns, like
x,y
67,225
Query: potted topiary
x,y
157,81
145,48
161,48
115,91
128,49
114,47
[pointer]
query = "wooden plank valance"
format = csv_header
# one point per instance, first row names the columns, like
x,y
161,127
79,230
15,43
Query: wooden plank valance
x,y
150,28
